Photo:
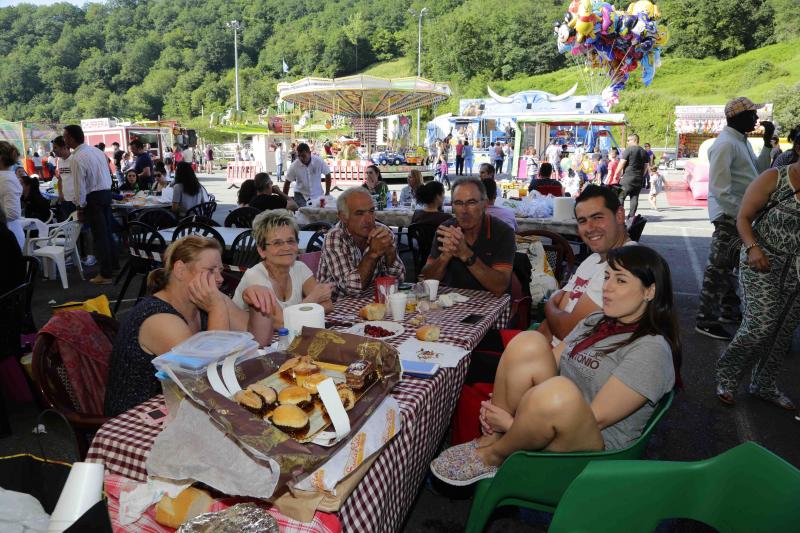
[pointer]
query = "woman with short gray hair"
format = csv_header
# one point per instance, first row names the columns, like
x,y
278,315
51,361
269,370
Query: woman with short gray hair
x,y
277,238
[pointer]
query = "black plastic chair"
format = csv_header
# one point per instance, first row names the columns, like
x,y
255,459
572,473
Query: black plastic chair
x,y
200,219
158,218
205,209
241,217
420,240
147,247
243,251
190,227
315,242
316,226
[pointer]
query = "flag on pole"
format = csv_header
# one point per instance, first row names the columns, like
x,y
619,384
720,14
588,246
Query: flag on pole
x,y
285,67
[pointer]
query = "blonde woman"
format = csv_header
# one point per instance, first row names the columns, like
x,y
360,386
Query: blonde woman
x,y
185,300
276,234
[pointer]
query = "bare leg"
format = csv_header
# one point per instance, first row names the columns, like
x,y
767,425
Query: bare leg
x,y
527,361
553,416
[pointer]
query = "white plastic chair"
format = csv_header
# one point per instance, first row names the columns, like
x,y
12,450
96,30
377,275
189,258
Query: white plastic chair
x,y
56,247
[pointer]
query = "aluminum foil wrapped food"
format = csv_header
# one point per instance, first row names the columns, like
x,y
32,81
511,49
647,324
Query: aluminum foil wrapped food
x,y
240,518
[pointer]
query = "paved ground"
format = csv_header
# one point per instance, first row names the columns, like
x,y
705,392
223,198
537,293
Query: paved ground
x,y
696,427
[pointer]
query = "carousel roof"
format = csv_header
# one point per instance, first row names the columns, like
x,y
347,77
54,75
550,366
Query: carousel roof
x,y
364,96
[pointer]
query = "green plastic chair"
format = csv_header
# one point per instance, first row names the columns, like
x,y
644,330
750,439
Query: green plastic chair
x,y
746,489
537,480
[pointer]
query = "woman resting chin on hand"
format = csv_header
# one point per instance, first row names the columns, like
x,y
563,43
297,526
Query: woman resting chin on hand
x,y
185,300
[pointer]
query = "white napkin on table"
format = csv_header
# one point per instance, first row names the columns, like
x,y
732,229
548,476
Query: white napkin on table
x,y
449,355
134,503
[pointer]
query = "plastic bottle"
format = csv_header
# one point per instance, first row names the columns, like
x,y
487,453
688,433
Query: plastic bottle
x,y
283,339
394,198
388,201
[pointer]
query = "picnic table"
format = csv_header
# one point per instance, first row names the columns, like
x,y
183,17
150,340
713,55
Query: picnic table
x,y
401,218
382,499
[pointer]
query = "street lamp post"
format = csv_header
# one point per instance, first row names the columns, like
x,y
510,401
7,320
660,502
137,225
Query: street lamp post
x,y
422,13
236,27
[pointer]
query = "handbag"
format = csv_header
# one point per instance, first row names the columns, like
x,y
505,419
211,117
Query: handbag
x,y
736,243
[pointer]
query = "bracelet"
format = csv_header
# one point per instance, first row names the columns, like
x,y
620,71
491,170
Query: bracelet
x,y
749,247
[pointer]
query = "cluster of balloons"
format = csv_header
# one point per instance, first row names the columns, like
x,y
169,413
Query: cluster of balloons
x,y
614,42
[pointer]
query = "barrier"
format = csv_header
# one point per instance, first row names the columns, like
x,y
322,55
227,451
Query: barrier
x,y
239,171
346,173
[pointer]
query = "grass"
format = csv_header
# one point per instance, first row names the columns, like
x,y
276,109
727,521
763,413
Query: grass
x,y
679,81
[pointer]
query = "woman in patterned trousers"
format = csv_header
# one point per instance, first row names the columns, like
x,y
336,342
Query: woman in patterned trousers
x,y
768,276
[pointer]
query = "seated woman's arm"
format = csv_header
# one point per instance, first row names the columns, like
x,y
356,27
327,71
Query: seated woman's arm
x,y
615,401
162,332
315,292
259,318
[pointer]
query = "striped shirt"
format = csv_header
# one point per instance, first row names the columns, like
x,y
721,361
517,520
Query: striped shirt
x,y
341,257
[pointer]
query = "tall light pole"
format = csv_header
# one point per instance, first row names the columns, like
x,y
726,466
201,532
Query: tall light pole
x,y
422,13
236,27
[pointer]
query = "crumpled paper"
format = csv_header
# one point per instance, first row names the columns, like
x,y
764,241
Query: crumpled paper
x,y
134,503
535,205
209,456
20,512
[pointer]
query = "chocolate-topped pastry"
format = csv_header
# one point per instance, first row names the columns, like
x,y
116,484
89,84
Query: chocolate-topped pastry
x,y
267,393
358,373
295,396
291,420
298,368
311,382
251,401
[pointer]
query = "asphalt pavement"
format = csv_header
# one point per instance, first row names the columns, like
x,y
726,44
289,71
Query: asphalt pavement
x,y
697,426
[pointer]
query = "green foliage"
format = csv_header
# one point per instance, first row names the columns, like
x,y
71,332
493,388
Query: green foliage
x,y
786,111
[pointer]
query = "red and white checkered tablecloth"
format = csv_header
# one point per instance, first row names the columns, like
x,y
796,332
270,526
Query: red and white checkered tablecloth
x,y
385,494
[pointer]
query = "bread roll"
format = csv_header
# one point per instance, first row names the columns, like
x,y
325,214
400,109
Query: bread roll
x,y
172,512
428,333
373,311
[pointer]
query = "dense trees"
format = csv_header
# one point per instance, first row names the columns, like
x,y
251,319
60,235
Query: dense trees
x,y
149,58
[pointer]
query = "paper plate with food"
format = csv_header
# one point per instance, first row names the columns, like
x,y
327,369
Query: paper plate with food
x,y
377,329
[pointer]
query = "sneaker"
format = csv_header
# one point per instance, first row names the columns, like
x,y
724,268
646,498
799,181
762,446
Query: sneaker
x,y
100,280
713,330
775,397
461,465
89,261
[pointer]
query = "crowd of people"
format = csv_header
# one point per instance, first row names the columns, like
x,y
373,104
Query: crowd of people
x,y
592,373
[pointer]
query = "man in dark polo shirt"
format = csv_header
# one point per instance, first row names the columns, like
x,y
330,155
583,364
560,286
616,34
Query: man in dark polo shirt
x,y
474,251
269,196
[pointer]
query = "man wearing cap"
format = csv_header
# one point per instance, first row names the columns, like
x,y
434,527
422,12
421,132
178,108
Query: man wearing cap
x,y
732,167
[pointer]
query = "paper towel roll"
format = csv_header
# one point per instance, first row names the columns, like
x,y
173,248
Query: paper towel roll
x,y
297,316
563,208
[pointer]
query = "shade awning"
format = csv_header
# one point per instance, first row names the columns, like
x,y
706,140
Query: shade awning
x,y
364,96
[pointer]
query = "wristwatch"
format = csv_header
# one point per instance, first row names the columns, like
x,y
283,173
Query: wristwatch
x,y
471,260
749,247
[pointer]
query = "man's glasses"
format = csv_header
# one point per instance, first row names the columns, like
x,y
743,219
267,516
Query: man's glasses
x,y
280,244
469,203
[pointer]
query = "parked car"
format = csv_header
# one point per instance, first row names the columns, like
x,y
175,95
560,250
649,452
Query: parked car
x,y
388,158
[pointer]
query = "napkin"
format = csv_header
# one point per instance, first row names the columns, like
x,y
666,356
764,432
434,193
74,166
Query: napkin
x,y
448,355
134,503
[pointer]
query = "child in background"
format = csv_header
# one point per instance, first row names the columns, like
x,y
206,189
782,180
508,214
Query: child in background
x,y
656,185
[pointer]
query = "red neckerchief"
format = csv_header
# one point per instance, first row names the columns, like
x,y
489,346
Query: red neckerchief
x,y
606,329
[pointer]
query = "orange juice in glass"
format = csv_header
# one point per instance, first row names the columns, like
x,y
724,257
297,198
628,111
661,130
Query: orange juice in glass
x,y
523,192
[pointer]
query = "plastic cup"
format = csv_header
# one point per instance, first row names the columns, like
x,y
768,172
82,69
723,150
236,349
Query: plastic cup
x,y
83,489
397,303
433,288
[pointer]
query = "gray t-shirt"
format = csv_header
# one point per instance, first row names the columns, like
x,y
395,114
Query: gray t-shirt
x,y
645,365
187,201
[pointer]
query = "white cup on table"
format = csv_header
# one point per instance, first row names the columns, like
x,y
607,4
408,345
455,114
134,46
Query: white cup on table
x,y
397,303
433,288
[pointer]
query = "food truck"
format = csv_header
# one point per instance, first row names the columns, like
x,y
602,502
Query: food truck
x,y
157,134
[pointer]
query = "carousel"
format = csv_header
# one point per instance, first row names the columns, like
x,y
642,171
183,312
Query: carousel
x,y
364,99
